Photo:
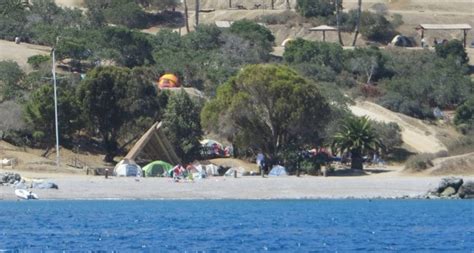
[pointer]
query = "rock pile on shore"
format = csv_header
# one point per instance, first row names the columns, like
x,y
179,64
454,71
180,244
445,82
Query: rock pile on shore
x,y
453,188
9,178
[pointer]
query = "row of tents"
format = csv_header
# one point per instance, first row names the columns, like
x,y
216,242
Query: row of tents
x,y
128,168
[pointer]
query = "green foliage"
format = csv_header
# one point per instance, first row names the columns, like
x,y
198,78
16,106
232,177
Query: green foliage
x,y
267,107
376,27
115,99
318,60
454,49
100,97
255,33
315,8
10,76
8,7
126,47
464,117
128,14
422,81
182,126
357,136
12,120
366,63
39,113
36,60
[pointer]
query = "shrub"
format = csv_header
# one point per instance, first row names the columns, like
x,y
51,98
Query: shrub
x,y
453,48
462,145
464,117
376,27
36,60
314,8
423,161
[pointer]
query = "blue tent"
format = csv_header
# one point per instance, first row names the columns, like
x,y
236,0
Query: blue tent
x,y
278,170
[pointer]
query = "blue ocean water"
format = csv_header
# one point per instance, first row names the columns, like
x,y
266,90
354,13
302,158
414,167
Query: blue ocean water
x,y
237,226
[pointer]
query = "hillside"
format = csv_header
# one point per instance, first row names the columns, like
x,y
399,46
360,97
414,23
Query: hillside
x,y
421,137
414,12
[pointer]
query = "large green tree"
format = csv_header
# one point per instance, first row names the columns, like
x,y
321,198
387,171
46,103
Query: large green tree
x,y
112,98
10,76
182,126
358,137
268,107
39,113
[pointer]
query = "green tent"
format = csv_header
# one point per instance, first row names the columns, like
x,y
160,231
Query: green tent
x,y
156,169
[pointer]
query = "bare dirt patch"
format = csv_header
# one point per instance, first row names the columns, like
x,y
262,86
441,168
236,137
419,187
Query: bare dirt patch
x,y
20,52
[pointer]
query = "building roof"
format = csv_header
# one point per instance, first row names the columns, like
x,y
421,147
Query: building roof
x,y
444,26
323,28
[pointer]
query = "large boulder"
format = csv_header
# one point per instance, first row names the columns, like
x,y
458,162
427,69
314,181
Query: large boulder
x,y
466,191
446,182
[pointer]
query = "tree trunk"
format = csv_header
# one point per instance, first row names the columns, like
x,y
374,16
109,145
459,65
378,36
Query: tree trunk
x,y
357,162
359,11
230,4
197,14
186,17
338,21
288,5
273,4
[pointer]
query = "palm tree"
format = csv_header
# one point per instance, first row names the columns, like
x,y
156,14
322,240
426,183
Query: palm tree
x,y
356,136
8,6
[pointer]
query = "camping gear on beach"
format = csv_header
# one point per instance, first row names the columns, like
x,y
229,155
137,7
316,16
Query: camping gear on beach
x,y
157,169
127,168
278,170
211,169
231,172
196,170
25,194
211,148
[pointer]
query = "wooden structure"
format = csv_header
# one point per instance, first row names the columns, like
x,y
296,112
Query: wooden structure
x,y
462,27
324,29
153,145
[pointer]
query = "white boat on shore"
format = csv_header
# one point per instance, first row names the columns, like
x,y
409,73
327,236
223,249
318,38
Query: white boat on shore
x,y
24,194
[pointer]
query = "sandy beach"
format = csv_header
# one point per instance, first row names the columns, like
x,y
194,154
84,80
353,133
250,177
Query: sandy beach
x,y
75,187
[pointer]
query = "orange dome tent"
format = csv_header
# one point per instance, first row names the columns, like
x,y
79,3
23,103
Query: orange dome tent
x,y
168,81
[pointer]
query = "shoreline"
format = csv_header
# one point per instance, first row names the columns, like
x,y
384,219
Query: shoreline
x,y
370,187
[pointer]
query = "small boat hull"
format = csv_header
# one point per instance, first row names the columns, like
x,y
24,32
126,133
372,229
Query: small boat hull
x,y
24,194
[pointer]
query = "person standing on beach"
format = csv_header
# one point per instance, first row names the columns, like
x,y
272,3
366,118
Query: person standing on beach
x,y
261,162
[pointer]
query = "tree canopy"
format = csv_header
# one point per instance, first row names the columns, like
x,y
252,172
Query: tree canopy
x,y
357,136
267,106
182,126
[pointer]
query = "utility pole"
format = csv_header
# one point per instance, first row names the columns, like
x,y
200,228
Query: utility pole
x,y
186,15
55,104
